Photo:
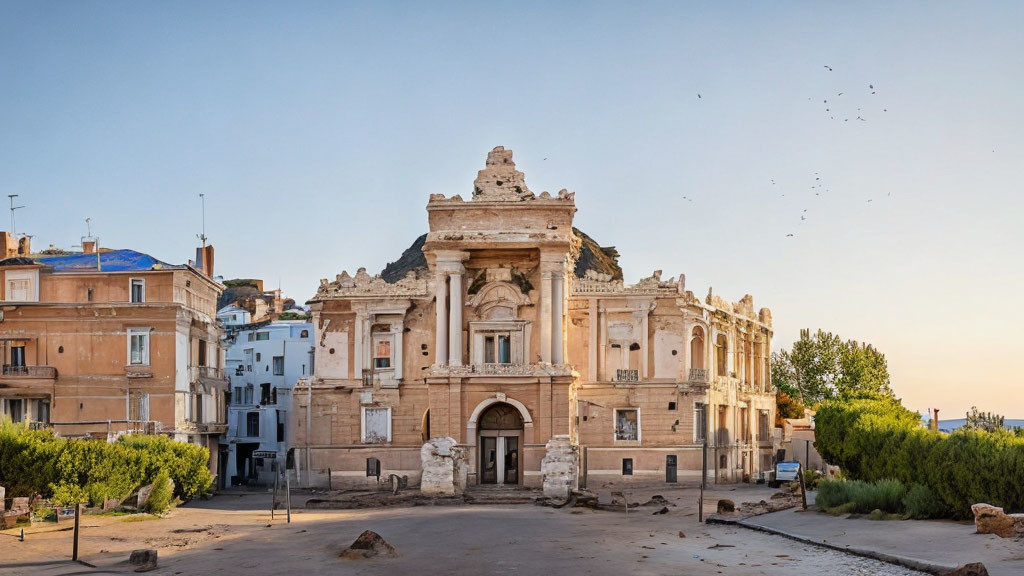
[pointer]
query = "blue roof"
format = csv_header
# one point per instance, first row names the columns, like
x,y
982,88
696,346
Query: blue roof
x,y
112,261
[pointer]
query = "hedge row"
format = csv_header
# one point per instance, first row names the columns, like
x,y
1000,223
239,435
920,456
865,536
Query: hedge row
x,y
875,440
72,470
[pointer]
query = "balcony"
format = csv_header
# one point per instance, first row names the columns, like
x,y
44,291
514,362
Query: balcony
x,y
502,370
208,372
42,372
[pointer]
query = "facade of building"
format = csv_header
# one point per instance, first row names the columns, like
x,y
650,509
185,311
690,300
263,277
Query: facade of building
x,y
513,334
263,363
101,343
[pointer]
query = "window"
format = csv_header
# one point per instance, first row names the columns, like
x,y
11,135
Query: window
x,y
382,353
202,353
278,365
304,334
265,393
138,346
627,424
700,422
376,425
252,336
43,411
252,424
137,287
238,395
263,336
259,356
138,405
627,466
498,349
248,393
19,289
721,355
762,425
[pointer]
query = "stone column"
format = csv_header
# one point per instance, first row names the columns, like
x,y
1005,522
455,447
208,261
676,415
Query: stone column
x,y
594,345
455,321
441,328
557,287
545,316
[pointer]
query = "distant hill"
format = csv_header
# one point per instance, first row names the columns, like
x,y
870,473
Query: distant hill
x,y
950,425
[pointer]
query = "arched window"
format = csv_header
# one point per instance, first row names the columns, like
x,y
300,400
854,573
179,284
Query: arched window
x,y
304,334
721,355
697,348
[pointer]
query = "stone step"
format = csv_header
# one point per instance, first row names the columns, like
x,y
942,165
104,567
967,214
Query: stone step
x,y
500,495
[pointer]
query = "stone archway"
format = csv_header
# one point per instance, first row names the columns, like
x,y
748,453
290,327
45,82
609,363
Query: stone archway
x,y
500,443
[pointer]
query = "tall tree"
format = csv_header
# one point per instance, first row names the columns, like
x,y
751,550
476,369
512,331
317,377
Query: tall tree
x,y
822,366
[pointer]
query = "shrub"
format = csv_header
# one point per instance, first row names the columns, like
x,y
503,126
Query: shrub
x,y
70,470
846,496
873,440
161,499
921,503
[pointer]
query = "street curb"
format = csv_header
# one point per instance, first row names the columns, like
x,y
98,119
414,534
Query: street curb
x,y
904,561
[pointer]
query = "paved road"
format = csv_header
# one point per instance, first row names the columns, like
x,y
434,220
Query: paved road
x,y
230,535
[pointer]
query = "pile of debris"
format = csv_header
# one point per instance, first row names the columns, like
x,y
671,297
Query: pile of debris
x,y
728,513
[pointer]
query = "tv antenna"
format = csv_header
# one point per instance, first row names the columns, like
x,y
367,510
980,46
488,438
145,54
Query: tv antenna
x,y
13,208
202,236
88,227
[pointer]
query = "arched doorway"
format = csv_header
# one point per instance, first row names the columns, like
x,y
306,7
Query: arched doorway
x,y
500,442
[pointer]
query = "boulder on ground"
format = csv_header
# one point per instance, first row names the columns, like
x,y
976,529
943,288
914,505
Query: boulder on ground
x,y
726,506
992,520
368,544
972,569
143,560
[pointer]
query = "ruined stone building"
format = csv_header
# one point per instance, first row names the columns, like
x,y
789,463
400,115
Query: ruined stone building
x,y
98,343
513,334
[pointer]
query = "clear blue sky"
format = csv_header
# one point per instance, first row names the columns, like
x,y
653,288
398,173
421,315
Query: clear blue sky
x,y
318,130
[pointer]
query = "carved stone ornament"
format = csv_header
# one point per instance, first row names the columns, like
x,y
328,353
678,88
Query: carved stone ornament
x,y
362,284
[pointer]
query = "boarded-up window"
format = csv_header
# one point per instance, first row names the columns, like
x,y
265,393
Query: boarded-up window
x,y
19,290
138,405
376,425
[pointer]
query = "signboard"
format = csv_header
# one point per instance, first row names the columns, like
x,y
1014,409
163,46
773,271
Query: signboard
x,y
264,454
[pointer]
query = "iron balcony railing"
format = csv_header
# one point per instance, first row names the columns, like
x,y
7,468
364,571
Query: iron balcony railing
x,y
29,371
627,375
211,372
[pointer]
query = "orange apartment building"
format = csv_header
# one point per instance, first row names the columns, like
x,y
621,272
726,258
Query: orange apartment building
x,y
100,343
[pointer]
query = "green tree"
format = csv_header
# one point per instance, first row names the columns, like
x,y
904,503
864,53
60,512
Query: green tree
x,y
822,366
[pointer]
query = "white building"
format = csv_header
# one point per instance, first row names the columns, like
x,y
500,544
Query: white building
x,y
233,316
263,363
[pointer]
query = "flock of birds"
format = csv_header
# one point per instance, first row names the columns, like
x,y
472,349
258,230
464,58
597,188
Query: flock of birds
x,y
838,109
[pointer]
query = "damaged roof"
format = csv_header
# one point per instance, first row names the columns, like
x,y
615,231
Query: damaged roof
x,y
110,261
592,256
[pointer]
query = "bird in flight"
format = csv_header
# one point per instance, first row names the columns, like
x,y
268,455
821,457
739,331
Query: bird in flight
x,y
698,95
789,235
543,159
829,69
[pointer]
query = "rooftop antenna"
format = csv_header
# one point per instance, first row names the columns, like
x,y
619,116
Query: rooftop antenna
x,y
88,227
13,208
202,237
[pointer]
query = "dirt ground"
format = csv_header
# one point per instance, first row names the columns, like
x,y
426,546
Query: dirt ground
x,y
233,534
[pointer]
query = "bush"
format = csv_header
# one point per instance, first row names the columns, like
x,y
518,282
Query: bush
x,y
921,503
846,496
69,471
874,440
161,499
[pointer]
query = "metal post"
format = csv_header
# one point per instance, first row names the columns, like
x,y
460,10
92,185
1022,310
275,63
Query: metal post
x,y
74,549
703,480
803,486
288,494
330,486
273,500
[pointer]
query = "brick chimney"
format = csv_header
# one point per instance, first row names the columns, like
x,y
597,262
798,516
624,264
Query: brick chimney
x,y
88,246
204,260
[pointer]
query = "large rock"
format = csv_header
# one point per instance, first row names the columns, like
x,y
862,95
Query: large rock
x,y
726,506
992,520
559,468
444,467
972,569
143,560
367,545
